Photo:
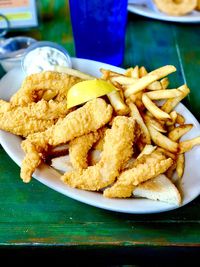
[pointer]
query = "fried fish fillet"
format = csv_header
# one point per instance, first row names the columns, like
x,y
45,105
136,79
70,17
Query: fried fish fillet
x,y
19,122
92,116
117,149
145,168
32,118
31,161
47,85
79,148
42,110
4,106
99,144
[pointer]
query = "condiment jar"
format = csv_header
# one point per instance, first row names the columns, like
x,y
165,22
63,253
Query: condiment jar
x,y
43,56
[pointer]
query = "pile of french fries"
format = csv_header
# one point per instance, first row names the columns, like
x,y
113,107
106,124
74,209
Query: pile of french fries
x,y
147,98
139,93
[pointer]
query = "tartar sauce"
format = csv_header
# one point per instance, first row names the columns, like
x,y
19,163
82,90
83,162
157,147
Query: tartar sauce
x,y
44,58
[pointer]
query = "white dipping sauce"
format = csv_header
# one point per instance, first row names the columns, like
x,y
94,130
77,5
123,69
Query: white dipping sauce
x,y
43,59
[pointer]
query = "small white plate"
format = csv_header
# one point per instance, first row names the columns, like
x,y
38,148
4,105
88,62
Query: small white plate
x,y
48,176
151,11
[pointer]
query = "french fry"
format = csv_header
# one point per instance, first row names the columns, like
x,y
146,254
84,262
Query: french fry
x,y
128,72
133,72
148,149
173,116
135,97
140,105
105,74
171,103
74,72
142,72
109,73
189,144
155,123
118,104
180,119
170,172
164,83
151,77
167,153
170,128
134,113
138,96
154,109
155,86
123,80
163,94
140,144
180,165
137,131
161,140
179,131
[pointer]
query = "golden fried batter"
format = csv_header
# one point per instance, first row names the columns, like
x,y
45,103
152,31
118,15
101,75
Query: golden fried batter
x,y
145,168
20,123
176,8
31,161
92,116
117,149
32,118
79,148
47,85
42,110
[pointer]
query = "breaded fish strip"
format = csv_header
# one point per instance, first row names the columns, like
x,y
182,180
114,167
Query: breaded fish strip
x,y
42,110
117,149
47,85
4,106
19,123
92,116
79,148
145,168
30,162
99,144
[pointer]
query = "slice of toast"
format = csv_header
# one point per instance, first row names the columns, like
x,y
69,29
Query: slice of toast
x,y
159,188
62,164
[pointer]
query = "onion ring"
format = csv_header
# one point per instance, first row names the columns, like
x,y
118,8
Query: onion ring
x,y
176,7
198,5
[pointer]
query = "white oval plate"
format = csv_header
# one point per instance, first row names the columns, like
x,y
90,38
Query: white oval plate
x,y
48,176
151,11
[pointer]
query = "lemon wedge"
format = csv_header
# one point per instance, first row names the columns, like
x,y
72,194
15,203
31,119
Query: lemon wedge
x,y
86,90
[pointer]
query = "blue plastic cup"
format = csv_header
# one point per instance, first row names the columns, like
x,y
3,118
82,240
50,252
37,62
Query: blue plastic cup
x,y
99,28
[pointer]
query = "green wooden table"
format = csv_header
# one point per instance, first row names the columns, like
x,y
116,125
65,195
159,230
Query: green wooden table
x,y
35,219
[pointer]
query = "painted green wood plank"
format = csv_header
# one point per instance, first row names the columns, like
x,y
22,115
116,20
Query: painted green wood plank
x,y
188,49
133,234
151,43
55,23
155,43
34,213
